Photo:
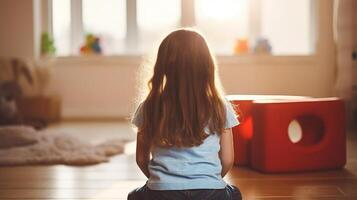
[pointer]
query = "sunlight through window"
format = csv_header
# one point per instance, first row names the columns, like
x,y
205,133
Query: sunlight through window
x,y
287,24
155,19
223,22
106,19
284,27
61,25
220,10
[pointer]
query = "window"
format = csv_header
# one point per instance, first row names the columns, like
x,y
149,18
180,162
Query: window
x,y
287,24
61,24
222,22
107,20
155,19
137,26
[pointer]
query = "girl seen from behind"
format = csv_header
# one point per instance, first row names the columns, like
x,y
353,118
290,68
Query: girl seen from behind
x,y
185,124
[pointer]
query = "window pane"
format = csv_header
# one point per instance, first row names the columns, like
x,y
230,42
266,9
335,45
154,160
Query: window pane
x,y
287,25
61,26
106,19
222,22
155,19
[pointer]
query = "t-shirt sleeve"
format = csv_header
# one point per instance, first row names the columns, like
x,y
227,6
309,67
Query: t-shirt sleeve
x,y
231,117
137,118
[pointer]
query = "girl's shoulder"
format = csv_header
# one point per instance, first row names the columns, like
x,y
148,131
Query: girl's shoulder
x,y
231,116
137,117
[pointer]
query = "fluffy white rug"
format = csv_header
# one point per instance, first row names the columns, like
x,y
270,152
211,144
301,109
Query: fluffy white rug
x,y
52,148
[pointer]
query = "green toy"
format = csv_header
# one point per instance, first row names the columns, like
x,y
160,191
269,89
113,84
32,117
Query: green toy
x,y
47,44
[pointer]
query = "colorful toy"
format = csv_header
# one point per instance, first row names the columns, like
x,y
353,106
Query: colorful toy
x,y
47,44
241,46
262,46
91,46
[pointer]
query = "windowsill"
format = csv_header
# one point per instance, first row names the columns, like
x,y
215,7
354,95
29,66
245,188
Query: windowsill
x,y
244,59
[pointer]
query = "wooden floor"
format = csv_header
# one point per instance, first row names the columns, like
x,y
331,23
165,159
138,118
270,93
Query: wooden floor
x,y
115,179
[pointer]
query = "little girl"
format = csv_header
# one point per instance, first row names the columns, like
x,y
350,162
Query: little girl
x,y
185,125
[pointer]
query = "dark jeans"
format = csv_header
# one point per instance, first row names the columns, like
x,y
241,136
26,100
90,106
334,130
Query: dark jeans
x,y
144,193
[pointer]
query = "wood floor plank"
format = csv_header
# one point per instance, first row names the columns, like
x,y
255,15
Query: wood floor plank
x,y
121,189
118,189
115,179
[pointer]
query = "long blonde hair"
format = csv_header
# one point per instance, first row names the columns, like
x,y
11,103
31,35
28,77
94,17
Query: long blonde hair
x,y
183,97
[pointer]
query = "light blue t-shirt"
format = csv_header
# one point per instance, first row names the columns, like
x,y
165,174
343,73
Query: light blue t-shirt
x,y
196,167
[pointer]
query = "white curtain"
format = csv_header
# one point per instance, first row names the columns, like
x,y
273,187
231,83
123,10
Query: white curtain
x,y
344,37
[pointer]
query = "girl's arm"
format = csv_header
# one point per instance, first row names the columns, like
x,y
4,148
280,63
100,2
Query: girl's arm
x,y
142,154
226,153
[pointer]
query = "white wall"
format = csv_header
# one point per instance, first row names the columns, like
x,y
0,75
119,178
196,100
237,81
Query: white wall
x,y
107,87
95,87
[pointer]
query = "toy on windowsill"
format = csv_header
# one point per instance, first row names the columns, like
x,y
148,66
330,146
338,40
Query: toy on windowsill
x,y
47,45
241,46
91,46
262,46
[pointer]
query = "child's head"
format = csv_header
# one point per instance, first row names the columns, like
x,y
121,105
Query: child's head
x,y
183,97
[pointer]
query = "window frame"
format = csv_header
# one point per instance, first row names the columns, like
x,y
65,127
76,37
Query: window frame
x,y
187,19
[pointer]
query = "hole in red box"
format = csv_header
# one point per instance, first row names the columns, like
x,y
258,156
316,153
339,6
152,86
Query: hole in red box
x,y
294,131
306,130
